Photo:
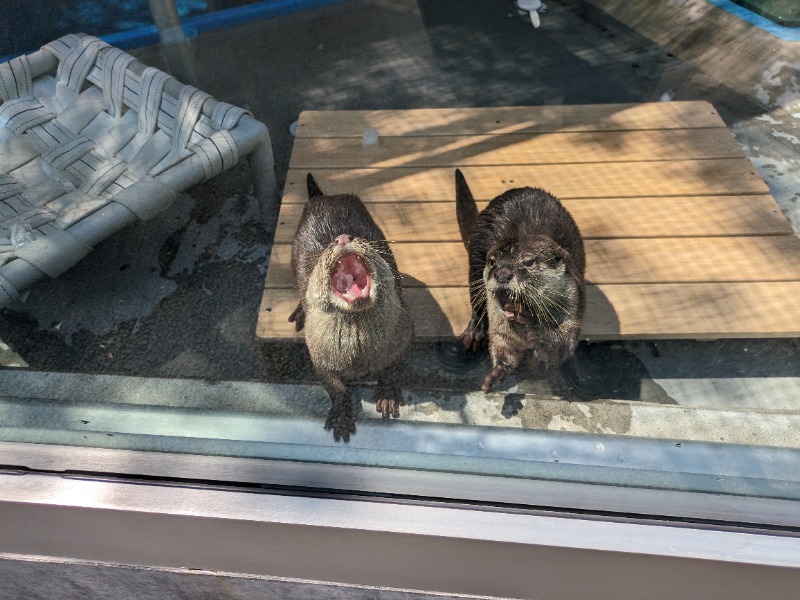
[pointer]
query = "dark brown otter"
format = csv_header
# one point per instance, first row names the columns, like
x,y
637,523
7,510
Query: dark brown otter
x,y
352,307
526,278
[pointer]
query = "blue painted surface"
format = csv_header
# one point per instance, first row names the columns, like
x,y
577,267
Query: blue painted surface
x,y
231,17
144,35
789,34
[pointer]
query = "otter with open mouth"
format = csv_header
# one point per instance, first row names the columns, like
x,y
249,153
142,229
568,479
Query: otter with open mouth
x,y
526,278
351,306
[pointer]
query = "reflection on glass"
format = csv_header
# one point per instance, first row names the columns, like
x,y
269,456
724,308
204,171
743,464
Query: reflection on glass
x,y
675,160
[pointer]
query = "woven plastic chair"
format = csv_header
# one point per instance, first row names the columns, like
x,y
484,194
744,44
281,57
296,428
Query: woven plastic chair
x,y
92,140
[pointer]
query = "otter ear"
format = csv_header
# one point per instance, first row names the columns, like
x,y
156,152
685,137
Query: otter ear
x,y
313,188
466,208
562,257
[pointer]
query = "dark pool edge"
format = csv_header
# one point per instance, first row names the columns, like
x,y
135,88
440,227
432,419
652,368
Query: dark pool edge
x,y
231,17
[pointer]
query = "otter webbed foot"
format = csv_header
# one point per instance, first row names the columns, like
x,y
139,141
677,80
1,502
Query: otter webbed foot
x,y
475,335
343,422
388,400
298,317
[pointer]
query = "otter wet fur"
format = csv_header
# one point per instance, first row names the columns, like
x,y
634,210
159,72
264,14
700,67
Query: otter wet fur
x,y
351,306
526,278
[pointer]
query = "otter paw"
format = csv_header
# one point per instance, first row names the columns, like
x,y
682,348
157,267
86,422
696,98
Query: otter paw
x,y
298,317
495,376
389,407
343,424
475,335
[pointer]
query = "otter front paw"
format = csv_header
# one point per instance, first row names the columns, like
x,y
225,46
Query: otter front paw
x,y
298,317
475,335
495,376
388,398
342,421
389,407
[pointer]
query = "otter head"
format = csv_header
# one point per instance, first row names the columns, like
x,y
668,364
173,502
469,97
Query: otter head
x,y
529,281
350,275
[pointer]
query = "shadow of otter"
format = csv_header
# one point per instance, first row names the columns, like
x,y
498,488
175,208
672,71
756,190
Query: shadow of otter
x,y
607,370
597,370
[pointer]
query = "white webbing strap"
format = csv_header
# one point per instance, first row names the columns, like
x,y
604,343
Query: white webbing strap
x,y
61,47
23,113
217,153
9,187
151,89
54,253
227,115
15,79
190,107
74,68
31,216
104,176
114,68
67,153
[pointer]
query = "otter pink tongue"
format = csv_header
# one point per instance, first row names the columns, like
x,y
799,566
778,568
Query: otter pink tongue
x,y
350,279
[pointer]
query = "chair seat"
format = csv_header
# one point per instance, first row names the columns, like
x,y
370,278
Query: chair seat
x,y
92,140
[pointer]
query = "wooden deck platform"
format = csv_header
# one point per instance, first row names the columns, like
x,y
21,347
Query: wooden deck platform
x,y
683,239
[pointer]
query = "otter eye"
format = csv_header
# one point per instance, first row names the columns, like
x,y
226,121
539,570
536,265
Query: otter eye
x,y
528,263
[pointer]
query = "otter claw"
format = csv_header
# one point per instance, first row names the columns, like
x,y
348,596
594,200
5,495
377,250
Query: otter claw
x,y
474,336
389,407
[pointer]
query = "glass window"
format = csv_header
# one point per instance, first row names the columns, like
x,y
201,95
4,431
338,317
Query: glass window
x,y
624,313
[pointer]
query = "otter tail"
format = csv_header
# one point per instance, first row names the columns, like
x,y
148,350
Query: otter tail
x,y
466,208
313,188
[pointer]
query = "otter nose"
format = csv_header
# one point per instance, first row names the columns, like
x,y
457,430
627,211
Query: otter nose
x,y
503,275
343,239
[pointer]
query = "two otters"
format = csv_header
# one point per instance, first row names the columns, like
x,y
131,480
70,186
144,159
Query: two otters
x,y
526,278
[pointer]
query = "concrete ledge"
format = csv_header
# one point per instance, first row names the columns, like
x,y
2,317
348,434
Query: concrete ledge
x,y
774,428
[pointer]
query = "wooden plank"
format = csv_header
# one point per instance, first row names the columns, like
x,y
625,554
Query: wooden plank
x,y
615,261
693,311
717,177
540,149
693,260
647,311
700,216
521,119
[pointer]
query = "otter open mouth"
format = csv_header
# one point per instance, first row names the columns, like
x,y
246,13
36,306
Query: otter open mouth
x,y
510,309
350,279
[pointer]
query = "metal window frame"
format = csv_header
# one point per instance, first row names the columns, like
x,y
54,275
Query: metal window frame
x,y
411,485
441,548
389,513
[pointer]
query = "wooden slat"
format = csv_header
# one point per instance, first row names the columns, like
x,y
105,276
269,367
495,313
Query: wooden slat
x,y
656,260
701,216
527,119
647,311
540,149
694,311
716,177
693,260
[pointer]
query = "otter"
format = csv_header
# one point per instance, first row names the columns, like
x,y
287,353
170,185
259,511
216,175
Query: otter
x,y
352,308
526,278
